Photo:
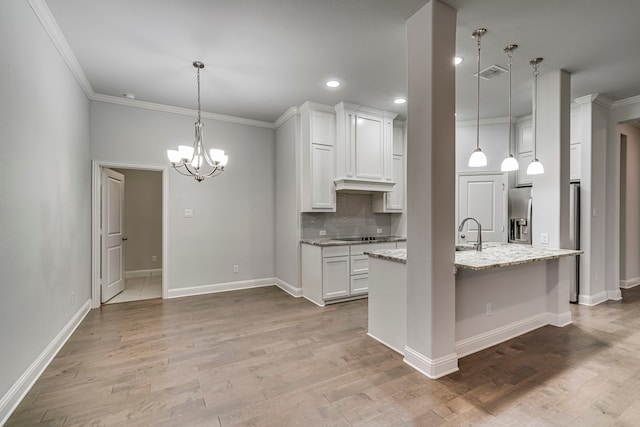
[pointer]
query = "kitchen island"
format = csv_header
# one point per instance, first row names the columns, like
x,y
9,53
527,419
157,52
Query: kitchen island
x,y
503,291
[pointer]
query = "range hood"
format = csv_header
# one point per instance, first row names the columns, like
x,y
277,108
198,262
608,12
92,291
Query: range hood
x,y
362,185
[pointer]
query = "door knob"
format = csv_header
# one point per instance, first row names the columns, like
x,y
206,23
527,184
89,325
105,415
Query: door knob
x,y
462,236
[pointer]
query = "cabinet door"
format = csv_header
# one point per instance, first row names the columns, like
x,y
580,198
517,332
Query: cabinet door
x,y
522,178
575,161
360,284
482,197
369,148
322,165
335,277
524,137
323,128
395,198
359,264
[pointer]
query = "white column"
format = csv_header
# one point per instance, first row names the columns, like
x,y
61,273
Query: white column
x,y
431,191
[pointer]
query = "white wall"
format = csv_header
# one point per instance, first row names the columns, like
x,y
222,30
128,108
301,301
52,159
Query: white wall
x,y
494,142
233,221
45,238
287,221
630,205
142,219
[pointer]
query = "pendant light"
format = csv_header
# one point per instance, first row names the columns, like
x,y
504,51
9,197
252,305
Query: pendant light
x,y
191,159
510,163
478,158
535,167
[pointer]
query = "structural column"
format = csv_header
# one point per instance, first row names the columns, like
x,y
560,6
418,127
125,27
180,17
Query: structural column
x,y
431,224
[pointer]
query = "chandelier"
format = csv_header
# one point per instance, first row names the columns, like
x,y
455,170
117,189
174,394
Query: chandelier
x,y
187,160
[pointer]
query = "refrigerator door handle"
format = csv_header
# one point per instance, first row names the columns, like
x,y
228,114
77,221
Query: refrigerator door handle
x,y
529,214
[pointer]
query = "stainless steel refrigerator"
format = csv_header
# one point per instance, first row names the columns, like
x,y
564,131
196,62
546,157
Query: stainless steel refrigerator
x,y
574,239
520,205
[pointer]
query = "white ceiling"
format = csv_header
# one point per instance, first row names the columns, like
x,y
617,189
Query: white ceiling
x,y
264,56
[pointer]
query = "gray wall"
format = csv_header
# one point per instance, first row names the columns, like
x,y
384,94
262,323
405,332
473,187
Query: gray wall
x,y
233,220
494,141
287,233
142,219
630,204
45,238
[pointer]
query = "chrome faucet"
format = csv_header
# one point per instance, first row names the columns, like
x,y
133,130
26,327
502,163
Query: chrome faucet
x,y
478,243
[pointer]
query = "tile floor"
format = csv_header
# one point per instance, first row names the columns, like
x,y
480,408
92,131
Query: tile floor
x,y
139,288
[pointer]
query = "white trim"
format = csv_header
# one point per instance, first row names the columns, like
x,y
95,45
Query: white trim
x,y
96,165
291,112
397,350
431,368
220,287
178,110
592,300
614,295
142,273
483,122
52,29
490,338
21,387
629,283
559,320
626,102
288,288
312,301
525,118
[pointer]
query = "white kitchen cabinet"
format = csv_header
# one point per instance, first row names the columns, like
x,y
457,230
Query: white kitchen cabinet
x,y
335,277
393,201
521,177
575,161
364,148
317,141
524,136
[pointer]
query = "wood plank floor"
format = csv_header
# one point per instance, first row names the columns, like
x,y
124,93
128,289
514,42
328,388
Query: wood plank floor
x,y
259,357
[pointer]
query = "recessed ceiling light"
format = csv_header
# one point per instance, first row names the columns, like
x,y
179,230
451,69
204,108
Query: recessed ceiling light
x,y
400,100
129,95
457,60
332,83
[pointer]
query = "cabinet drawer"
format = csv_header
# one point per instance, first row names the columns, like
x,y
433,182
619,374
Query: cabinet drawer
x,y
331,251
359,284
360,249
359,264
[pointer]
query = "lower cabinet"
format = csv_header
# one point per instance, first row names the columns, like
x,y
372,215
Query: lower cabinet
x,y
336,273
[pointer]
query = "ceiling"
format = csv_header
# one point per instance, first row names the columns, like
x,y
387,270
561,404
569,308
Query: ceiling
x,y
264,56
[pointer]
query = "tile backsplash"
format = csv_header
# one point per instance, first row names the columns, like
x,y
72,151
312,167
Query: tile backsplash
x,y
353,217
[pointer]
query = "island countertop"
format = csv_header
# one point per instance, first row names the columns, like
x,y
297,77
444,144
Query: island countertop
x,y
337,241
493,255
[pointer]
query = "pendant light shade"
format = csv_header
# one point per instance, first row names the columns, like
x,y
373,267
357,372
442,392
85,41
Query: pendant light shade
x,y
478,158
510,163
535,167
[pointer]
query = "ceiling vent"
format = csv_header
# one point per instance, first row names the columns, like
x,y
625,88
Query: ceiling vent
x,y
491,72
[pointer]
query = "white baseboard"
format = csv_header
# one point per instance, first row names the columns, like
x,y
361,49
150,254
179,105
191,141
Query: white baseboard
x,y
592,300
16,393
397,350
629,283
221,287
559,320
431,368
490,338
614,295
142,273
312,301
288,288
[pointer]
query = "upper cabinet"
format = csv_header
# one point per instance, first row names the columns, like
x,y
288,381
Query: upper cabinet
x,y
575,148
393,201
364,148
524,150
318,140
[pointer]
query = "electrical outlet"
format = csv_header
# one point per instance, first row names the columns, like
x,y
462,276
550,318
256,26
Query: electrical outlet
x,y
544,238
236,268
323,232
379,230
154,258
188,213
488,309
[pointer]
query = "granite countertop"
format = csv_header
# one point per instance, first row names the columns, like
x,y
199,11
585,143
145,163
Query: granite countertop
x,y
493,255
337,242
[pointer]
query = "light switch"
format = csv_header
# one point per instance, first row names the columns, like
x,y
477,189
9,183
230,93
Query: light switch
x,y
544,238
188,213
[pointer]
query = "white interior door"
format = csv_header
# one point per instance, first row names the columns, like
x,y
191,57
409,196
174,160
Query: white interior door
x,y
482,196
112,234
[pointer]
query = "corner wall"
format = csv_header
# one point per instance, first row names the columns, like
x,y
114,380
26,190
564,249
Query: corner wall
x,y
45,238
630,207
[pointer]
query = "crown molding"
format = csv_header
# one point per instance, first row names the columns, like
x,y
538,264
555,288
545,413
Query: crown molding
x,y
285,116
626,102
178,110
484,122
597,99
51,27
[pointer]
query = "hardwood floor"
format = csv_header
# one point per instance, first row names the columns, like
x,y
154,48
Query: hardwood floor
x,y
259,357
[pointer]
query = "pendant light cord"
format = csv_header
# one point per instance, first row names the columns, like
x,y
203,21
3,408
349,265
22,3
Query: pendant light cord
x,y
535,109
198,68
510,54
478,100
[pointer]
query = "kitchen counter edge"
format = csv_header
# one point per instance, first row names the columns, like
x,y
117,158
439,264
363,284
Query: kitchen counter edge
x,y
338,242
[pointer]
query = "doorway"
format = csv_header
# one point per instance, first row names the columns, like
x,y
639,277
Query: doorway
x,y
629,205
142,264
